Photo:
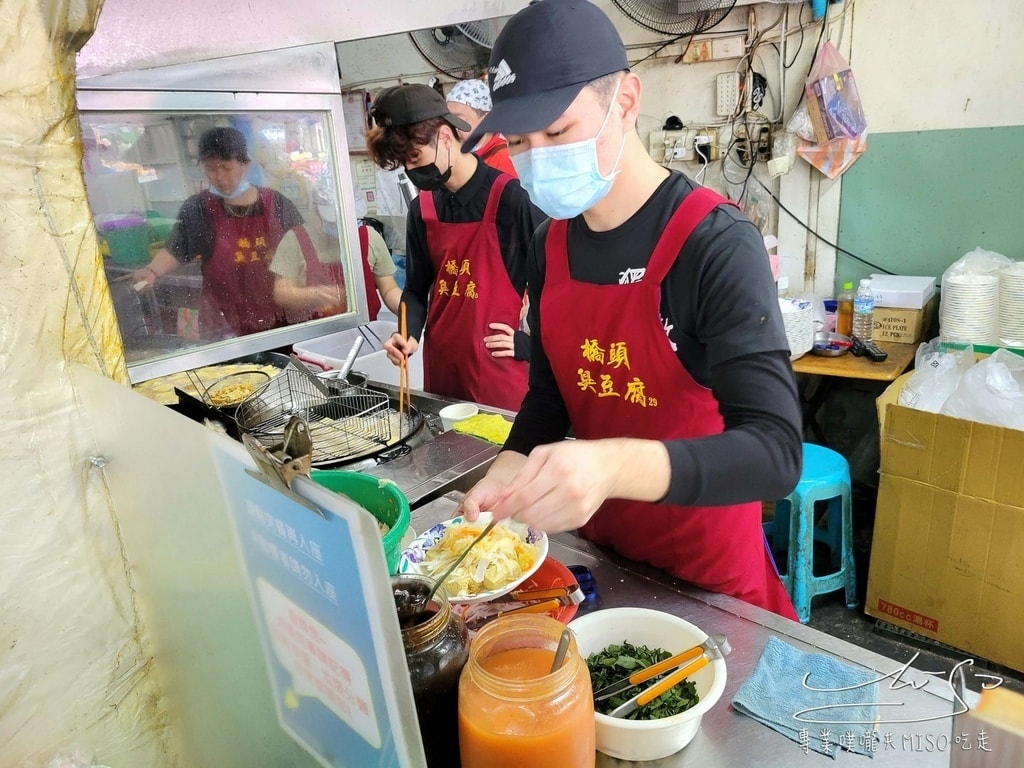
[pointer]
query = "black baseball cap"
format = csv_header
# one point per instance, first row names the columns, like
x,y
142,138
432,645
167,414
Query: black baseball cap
x,y
412,103
541,60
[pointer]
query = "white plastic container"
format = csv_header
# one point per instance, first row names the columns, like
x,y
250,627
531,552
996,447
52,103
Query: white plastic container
x,y
328,352
798,320
902,291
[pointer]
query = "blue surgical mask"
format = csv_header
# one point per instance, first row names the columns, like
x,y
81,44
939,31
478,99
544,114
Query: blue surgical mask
x,y
565,180
243,187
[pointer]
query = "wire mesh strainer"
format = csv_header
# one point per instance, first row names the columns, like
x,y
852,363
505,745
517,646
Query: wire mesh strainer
x,y
341,426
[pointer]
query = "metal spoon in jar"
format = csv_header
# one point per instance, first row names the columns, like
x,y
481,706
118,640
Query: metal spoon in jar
x,y
561,650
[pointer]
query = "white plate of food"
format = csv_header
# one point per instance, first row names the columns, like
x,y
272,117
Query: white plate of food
x,y
510,554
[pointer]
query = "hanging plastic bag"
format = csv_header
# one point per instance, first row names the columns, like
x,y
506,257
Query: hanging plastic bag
x,y
991,391
832,99
833,157
831,117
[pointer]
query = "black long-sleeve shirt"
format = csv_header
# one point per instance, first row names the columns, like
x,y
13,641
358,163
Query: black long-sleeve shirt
x,y
516,220
720,310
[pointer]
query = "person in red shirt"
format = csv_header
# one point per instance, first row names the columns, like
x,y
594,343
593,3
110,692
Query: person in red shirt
x,y
466,237
657,336
471,100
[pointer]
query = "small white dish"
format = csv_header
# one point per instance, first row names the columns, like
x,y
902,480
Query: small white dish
x,y
451,414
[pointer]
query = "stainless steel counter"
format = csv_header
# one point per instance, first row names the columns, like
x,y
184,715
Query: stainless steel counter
x,y
438,461
923,737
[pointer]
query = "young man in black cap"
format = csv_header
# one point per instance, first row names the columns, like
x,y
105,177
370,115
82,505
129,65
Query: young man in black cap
x,y
657,335
466,238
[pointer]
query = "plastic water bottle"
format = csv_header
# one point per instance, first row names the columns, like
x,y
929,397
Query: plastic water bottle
x,y
863,311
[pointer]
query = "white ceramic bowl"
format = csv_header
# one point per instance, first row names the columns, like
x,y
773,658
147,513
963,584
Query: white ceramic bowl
x,y
649,739
457,412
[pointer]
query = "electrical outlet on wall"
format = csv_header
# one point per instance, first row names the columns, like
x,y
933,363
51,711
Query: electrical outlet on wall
x,y
666,146
705,144
727,93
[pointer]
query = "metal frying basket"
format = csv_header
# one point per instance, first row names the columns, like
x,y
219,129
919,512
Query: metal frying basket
x,y
342,425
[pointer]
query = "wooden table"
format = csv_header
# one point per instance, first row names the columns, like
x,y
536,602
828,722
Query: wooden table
x,y
847,366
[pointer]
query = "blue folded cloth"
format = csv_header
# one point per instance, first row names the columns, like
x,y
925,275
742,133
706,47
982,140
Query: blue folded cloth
x,y
787,681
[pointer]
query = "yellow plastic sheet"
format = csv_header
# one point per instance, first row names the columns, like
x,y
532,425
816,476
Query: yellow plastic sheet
x,y
488,426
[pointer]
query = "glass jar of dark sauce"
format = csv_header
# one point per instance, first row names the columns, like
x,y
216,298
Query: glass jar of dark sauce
x,y
436,648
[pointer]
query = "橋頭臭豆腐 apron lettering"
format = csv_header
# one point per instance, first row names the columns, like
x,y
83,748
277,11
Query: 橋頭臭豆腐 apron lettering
x,y
471,289
237,297
620,377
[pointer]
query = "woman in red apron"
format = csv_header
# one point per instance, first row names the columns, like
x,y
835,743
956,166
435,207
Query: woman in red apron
x,y
472,289
232,229
238,288
466,238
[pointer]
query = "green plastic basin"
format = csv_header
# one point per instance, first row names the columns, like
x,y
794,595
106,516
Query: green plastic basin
x,y
385,501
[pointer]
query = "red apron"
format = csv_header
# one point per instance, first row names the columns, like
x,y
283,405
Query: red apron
x,y
318,273
372,297
619,377
237,297
471,290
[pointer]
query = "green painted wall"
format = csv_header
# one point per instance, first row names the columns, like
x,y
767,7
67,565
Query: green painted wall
x,y
916,202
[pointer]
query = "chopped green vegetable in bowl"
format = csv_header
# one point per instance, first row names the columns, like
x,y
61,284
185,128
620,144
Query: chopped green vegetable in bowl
x,y
618,661
642,636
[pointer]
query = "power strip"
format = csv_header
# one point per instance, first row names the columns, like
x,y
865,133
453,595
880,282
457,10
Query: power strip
x,y
727,93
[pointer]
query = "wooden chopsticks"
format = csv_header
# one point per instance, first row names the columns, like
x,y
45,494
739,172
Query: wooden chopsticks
x,y
404,396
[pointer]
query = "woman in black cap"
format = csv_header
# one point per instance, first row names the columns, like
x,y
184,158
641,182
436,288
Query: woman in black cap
x,y
233,228
466,239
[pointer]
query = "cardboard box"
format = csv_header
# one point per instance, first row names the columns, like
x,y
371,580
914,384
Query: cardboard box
x,y
947,555
903,326
906,291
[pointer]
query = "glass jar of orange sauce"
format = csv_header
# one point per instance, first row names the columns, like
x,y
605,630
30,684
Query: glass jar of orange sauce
x,y
436,648
513,711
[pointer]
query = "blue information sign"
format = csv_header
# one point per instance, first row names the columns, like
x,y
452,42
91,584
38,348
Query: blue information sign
x,y
323,604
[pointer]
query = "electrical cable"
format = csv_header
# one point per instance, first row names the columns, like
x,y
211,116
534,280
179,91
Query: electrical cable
x,y
704,159
829,243
800,26
817,47
666,44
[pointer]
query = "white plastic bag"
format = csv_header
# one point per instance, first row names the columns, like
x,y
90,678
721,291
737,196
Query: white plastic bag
x,y
991,391
936,375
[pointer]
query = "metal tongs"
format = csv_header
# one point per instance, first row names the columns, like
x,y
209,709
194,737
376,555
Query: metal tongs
x,y
527,601
715,647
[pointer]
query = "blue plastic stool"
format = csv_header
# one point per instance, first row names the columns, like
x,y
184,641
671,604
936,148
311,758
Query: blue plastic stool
x,y
825,479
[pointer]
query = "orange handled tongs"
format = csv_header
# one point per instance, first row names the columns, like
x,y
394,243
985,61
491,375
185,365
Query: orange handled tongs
x,y
532,601
715,647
